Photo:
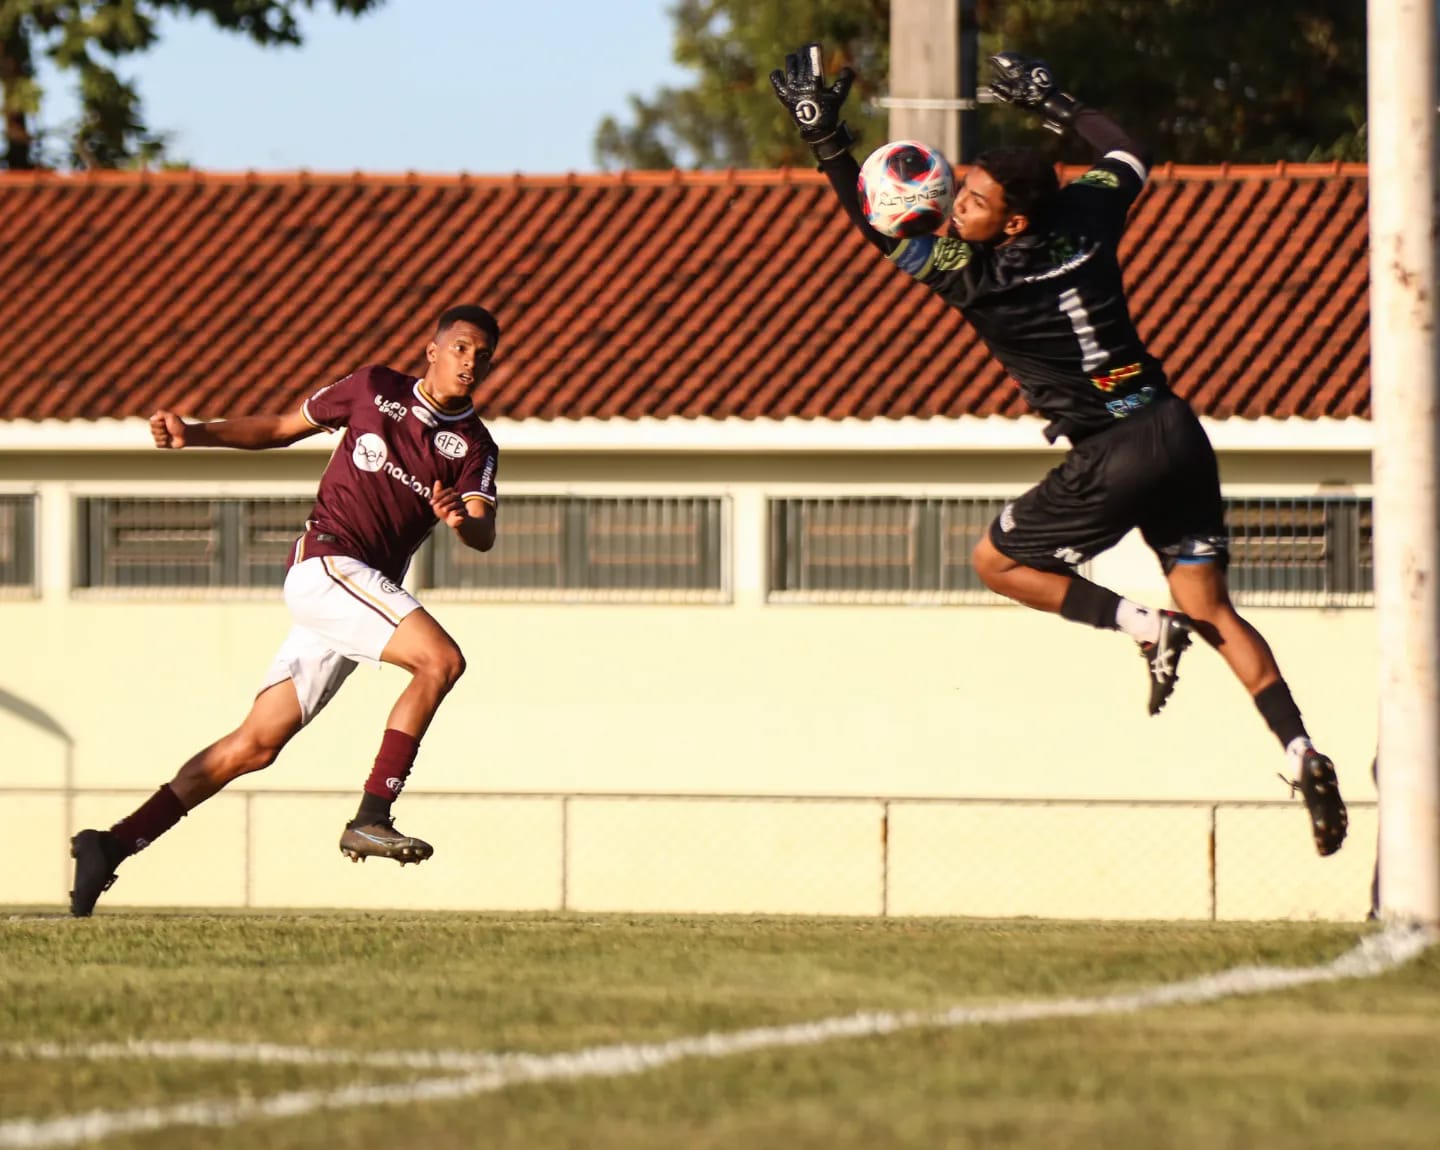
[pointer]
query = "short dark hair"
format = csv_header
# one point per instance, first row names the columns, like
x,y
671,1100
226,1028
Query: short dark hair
x,y
1027,178
473,314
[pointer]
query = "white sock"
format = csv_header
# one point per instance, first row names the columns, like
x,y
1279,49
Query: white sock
x,y
1138,621
1297,747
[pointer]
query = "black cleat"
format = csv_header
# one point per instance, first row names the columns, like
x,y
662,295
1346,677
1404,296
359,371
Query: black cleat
x,y
97,855
1162,658
381,840
1320,789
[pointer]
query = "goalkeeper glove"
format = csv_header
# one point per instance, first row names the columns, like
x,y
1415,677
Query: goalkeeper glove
x,y
814,107
1028,83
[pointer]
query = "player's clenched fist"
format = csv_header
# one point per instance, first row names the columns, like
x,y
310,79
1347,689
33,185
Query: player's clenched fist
x,y
447,505
168,430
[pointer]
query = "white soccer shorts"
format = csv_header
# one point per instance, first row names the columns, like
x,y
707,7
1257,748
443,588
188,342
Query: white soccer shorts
x,y
344,612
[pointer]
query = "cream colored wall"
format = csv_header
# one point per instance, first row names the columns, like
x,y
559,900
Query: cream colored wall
x,y
100,701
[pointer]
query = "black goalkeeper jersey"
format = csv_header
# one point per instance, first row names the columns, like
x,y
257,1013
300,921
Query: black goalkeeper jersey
x,y
1050,306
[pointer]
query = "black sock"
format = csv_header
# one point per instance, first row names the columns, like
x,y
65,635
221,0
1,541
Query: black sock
x,y
1280,713
373,809
1090,603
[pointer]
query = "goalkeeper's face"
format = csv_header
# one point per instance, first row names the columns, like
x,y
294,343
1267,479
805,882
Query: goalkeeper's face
x,y
980,214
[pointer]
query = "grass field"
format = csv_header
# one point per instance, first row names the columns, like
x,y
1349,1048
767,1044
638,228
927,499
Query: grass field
x,y
338,998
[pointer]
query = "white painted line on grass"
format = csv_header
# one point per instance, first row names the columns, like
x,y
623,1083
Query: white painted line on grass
x,y
265,1053
1375,955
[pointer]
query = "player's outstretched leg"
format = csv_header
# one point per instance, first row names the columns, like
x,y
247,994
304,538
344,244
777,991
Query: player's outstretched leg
x,y
421,646
97,856
380,839
273,719
1201,589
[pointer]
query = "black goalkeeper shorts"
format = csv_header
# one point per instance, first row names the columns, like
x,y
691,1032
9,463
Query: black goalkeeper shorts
x,y
1154,470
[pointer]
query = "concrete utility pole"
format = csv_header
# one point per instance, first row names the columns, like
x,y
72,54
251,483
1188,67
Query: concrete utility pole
x,y
1405,386
934,63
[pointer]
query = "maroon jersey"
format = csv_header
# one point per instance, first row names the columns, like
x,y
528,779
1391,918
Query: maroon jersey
x,y
373,503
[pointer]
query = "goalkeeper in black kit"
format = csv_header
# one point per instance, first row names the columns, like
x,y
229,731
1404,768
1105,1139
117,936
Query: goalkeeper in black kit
x,y
1034,268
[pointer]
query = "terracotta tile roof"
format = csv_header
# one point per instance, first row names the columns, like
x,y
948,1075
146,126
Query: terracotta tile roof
x,y
743,294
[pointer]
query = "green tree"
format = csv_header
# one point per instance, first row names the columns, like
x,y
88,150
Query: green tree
x,y
730,118
86,39
1203,81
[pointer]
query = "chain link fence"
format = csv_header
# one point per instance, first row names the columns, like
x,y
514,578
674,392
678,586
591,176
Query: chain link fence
x,y
723,854
981,857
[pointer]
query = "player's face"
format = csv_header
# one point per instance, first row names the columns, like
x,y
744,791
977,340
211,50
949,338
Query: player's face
x,y
980,214
459,359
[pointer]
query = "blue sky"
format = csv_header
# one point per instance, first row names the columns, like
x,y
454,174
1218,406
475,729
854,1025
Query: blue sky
x,y
479,86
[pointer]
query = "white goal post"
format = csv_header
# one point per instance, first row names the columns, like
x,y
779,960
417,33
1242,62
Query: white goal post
x,y
1403,373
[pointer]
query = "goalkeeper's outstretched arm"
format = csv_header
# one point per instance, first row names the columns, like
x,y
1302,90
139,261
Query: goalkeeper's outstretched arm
x,y
1105,136
1028,83
844,176
815,109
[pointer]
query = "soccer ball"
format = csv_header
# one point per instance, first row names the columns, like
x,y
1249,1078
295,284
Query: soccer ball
x,y
906,189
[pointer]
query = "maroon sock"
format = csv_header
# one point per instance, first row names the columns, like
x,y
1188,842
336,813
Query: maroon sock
x,y
392,765
149,821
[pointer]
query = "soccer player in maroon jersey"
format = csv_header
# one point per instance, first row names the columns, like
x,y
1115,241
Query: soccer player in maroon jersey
x,y
414,454
1035,270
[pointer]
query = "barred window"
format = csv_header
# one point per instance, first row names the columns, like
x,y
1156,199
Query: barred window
x,y
878,548
1313,551
17,542
568,546
186,543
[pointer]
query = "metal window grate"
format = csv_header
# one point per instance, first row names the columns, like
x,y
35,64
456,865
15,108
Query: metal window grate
x,y
567,546
878,549
142,543
17,542
1304,552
